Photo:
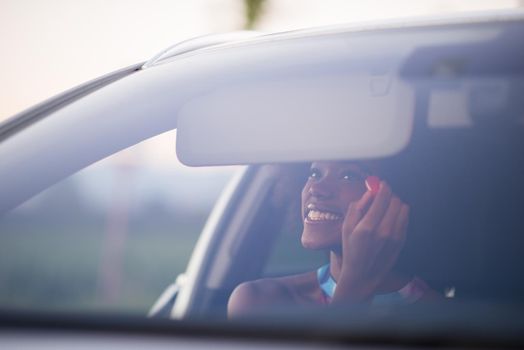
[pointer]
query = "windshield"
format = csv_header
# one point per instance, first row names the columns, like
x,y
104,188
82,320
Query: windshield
x,y
420,239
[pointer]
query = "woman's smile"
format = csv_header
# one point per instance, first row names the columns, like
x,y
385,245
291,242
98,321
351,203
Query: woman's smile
x,y
315,214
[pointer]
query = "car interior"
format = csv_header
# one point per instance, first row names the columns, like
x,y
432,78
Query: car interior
x,y
465,188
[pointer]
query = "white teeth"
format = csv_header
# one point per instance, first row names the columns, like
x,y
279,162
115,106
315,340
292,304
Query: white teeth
x,y
316,215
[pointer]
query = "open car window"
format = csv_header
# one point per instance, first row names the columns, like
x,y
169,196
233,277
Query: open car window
x,y
110,237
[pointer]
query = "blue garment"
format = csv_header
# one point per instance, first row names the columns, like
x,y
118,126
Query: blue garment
x,y
410,293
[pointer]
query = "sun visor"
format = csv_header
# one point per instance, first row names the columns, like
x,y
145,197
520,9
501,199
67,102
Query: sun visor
x,y
343,116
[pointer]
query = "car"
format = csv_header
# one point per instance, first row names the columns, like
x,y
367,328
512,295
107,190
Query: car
x,y
438,101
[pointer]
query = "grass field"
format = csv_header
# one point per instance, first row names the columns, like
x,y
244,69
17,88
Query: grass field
x,y
56,265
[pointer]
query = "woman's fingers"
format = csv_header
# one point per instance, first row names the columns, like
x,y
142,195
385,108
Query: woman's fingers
x,y
356,211
401,224
393,227
386,226
392,233
377,210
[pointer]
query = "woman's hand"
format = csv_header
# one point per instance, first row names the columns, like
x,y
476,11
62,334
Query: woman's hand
x,y
373,234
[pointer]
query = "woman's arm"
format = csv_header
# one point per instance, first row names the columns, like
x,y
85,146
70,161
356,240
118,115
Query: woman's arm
x,y
371,242
256,296
241,300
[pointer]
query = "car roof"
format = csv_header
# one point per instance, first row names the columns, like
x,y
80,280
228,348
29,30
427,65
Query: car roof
x,y
145,102
243,38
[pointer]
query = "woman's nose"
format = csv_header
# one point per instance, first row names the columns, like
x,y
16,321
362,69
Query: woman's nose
x,y
321,189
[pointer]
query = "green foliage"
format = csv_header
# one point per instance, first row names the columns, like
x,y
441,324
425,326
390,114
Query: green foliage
x,y
56,267
253,11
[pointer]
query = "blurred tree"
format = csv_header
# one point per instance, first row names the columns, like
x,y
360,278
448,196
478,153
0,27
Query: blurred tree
x,y
253,11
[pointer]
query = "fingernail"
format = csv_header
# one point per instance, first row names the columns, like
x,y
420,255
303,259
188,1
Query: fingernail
x,y
373,184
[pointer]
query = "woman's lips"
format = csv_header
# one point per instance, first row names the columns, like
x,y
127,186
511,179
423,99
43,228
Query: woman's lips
x,y
319,215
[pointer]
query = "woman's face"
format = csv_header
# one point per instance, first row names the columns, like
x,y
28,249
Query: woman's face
x,y
330,188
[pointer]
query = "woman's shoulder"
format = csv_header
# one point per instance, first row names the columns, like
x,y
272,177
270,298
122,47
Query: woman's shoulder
x,y
258,295
417,290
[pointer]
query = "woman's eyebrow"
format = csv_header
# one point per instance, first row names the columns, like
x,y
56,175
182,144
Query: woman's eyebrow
x,y
358,167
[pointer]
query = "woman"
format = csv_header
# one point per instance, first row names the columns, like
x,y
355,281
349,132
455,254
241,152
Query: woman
x,y
363,224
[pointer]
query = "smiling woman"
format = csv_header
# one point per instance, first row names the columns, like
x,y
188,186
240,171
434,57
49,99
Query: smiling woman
x,y
362,226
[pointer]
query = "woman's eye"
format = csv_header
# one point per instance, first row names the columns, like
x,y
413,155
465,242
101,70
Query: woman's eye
x,y
351,176
314,174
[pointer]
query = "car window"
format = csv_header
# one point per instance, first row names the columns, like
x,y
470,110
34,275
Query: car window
x,y
111,237
440,255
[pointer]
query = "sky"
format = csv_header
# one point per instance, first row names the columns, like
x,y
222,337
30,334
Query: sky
x,y
49,46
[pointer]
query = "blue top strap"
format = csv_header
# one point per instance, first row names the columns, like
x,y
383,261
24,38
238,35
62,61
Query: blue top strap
x,y
326,282
406,295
